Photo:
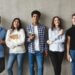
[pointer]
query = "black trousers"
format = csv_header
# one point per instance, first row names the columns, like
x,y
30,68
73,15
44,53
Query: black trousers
x,y
2,64
56,58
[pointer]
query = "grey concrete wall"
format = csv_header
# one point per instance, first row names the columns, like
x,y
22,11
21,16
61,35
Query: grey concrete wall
x,y
10,9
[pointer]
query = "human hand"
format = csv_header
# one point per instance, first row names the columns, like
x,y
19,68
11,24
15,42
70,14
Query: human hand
x,y
61,32
69,58
31,36
49,42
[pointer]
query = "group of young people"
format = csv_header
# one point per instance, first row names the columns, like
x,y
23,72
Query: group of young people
x,y
39,42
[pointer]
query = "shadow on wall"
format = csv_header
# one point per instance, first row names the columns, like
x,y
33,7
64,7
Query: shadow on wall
x,y
63,23
45,19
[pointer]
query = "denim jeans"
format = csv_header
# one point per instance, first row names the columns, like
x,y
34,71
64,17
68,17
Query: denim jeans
x,y
72,52
39,59
11,60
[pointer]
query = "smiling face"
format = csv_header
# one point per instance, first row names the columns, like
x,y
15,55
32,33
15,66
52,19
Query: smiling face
x,y
73,20
16,24
35,19
56,22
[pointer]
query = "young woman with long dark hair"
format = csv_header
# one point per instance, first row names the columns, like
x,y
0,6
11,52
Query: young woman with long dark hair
x,y
15,39
56,44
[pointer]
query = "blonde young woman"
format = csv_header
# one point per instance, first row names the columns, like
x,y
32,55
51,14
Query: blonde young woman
x,y
56,44
15,39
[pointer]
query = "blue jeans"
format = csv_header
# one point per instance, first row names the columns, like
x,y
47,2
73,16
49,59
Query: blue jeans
x,y
39,59
11,60
72,52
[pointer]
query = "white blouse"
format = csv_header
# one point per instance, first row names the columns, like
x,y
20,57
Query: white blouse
x,y
58,40
16,45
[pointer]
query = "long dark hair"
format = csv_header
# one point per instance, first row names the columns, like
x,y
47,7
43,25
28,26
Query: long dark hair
x,y
53,25
20,25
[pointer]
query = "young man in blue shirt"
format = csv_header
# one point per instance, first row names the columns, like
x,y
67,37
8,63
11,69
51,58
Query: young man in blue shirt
x,y
2,43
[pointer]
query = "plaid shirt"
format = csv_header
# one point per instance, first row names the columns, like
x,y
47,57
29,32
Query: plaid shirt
x,y
42,32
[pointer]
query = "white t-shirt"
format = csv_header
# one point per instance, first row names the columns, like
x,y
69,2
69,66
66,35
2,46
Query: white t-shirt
x,y
36,41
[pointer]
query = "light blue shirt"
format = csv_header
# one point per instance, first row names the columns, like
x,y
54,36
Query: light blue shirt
x,y
2,36
58,40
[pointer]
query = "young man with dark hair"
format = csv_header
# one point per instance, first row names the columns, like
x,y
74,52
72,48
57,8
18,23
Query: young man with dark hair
x,y
70,44
37,38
